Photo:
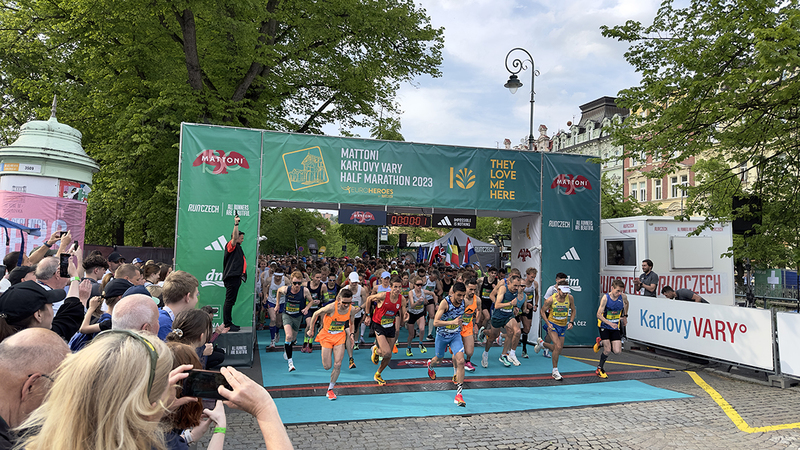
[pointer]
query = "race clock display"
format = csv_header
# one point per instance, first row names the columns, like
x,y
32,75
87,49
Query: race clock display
x,y
408,220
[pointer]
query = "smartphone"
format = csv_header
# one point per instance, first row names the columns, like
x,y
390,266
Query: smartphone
x,y
64,265
209,403
204,384
59,234
2,271
75,246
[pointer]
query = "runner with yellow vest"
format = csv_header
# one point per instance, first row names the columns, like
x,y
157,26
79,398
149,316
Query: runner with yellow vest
x,y
561,319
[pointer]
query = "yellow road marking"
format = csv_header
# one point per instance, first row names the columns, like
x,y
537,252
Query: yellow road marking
x,y
620,363
732,414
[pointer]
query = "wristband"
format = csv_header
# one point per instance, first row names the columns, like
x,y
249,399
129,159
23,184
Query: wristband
x,y
75,279
220,430
47,244
625,315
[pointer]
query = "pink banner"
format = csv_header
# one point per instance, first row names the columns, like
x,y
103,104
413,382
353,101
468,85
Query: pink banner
x,y
50,214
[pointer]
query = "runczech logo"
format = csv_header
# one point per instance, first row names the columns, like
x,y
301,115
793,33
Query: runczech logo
x,y
220,162
305,168
569,184
523,254
362,216
465,179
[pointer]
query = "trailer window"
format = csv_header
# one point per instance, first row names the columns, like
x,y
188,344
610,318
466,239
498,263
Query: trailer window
x,y
621,252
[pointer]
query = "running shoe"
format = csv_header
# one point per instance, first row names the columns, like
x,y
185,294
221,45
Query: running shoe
x,y
469,367
482,334
505,361
513,358
525,354
310,348
455,379
285,358
408,352
374,357
539,345
291,366
429,337
601,373
379,379
485,360
431,372
352,363
460,401
304,348
557,376
272,344
449,349
394,350
330,395
596,346
423,349
547,353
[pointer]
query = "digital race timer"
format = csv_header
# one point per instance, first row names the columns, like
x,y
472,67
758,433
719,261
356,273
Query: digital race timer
x,y
408,220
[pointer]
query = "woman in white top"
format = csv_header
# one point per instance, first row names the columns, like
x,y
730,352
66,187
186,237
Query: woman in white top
x,y
416,314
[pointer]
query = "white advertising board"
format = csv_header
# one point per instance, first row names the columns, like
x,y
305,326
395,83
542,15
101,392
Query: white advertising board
x,y
789,342
728,333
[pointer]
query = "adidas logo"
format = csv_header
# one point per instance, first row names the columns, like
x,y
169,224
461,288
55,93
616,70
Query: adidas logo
x,y
218,245
445,222
571,255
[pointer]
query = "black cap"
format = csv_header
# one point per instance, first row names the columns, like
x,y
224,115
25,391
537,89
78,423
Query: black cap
x,y
16,275
136,290
23,299
115,257
116,287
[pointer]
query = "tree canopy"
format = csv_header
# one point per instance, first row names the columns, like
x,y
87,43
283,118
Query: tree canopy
x,y
129,72
720,81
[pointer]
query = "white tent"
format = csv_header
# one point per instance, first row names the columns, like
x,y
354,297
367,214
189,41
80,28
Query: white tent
x,y
485,253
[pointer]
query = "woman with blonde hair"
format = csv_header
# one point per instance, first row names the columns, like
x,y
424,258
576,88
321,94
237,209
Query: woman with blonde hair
x,y
109,395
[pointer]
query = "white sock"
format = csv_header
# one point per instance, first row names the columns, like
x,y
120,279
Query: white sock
x,y
512,353
430,326
330,386
363,327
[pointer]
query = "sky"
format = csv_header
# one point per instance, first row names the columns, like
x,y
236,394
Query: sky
x,y
468,104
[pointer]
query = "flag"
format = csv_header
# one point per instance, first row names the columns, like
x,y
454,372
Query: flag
x,y
454,259
469,253
449,253
434,253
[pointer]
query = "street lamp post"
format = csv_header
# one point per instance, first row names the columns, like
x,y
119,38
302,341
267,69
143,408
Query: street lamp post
x,y
513,83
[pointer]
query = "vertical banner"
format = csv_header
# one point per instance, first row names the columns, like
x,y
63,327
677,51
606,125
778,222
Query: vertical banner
x,y
219,176
526,252
50,214
571,231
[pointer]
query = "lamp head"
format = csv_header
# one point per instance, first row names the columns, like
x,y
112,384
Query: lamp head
x,y
513,84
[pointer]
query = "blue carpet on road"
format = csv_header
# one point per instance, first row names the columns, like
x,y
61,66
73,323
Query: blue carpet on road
x,y
440,403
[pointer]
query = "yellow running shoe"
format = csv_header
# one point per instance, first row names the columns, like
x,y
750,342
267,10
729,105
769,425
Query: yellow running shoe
x,y
394,350
375,359
379,379
601,373
596,347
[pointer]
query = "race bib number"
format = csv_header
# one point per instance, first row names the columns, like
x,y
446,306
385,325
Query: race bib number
x,y
336,327
451,327
486,292
292,307
387,320
613,316
466,319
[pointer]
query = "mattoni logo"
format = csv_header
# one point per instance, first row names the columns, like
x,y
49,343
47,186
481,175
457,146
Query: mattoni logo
x,y
362,216
213,278
523,254
571,255
218,244
220,161
569,184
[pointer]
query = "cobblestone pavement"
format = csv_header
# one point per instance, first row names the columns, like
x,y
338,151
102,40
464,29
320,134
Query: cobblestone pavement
x,y
691,423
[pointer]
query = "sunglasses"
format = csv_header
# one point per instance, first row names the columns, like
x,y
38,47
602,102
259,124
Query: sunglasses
x,y
150,349
297,283
420,285
347,303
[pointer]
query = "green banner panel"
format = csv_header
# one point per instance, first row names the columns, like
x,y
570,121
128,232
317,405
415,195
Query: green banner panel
x,y
571,236
309,168
219,176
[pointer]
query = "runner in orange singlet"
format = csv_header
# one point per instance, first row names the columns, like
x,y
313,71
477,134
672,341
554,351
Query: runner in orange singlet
x,y
336,317
472,310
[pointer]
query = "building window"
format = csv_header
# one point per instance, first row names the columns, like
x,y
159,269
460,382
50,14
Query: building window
x,y
673,183
684,182
634,192
656,189
642,192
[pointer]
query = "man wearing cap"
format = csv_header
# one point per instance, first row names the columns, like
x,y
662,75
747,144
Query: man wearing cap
x,y
234,272
114,261
22,273
276,282
561,318
27,362
30,305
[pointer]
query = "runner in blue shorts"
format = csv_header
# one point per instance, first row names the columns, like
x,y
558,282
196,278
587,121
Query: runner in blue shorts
x,y
447,321
561,318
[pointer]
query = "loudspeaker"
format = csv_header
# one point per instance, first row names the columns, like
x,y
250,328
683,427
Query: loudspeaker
x,y
744,224
403,240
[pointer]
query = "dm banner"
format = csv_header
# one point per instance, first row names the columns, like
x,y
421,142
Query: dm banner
x,y
310,168
219,178
571,236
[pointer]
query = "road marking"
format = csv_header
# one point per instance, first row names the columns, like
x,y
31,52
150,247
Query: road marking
x,y
620,363
732,414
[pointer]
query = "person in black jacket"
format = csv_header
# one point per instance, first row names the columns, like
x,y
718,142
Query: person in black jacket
x,y
234,272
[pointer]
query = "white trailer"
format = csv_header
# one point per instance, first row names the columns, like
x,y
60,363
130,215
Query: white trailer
x,y
681,261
